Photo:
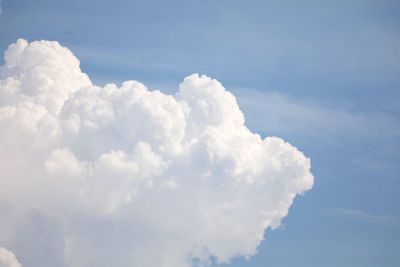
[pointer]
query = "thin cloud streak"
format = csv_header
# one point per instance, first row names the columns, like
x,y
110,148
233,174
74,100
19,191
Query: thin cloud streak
x,y
386,220
283,114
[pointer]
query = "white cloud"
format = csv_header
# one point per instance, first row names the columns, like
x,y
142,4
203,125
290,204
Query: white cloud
x,y
8,259
124,176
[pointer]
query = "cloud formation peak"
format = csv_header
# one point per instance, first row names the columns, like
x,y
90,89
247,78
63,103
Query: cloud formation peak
x,y
8,259
126,176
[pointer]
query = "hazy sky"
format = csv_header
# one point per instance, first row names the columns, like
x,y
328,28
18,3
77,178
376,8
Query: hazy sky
x,y
322,75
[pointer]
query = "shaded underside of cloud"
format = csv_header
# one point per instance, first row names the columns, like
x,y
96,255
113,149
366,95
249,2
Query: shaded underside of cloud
x,y
126,176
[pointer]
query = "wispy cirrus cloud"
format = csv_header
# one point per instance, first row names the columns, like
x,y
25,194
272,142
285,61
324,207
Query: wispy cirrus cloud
x,y
317,121
367,139
386,220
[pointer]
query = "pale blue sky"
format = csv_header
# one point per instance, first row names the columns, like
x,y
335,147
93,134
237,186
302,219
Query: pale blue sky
x,y
324,75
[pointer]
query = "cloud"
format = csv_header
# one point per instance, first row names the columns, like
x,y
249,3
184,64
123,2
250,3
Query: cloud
x,y
8,259
125,176
387,220
282,114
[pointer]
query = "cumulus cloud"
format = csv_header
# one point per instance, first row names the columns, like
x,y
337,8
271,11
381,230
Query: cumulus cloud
x,y
8,259
126,176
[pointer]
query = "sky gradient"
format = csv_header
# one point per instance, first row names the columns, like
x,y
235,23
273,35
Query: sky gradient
x,y
322,75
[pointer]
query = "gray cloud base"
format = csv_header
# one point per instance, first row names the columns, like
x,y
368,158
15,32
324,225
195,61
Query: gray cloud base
x,y
126,176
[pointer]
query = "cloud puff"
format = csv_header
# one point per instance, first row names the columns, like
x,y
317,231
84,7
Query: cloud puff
x,y
8,259
126,176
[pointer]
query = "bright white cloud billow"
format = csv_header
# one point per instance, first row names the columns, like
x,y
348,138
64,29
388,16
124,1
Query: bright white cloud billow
x,y
125,176
8,259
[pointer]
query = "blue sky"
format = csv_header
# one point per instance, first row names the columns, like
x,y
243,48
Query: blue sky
x,y
323,75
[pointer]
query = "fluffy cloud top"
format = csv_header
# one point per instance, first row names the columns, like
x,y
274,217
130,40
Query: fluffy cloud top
x,y
126,176
8,259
